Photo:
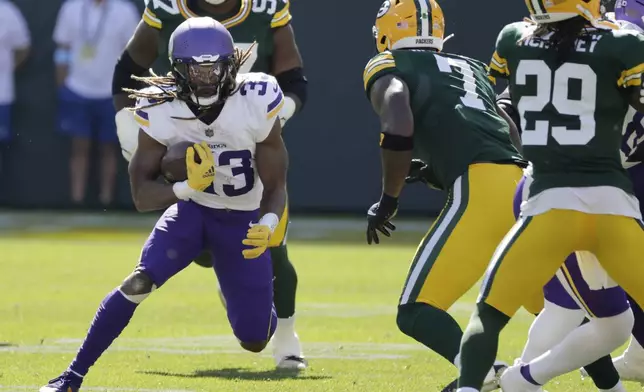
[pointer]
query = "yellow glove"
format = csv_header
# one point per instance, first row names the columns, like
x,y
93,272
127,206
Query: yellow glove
x,y
200,175
257,237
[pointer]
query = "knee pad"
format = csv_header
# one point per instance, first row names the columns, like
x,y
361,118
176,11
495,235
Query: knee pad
x,y
137,287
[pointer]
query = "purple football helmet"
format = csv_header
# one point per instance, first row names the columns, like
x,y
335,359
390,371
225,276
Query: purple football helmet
x,y
202,54
630,11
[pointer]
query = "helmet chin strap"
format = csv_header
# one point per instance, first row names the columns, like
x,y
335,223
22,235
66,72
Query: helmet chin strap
x,y
216,2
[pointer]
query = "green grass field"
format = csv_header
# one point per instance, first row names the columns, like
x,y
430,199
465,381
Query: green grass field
x,y
179,339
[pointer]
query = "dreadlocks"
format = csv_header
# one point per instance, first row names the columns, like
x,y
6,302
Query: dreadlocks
x,y
166,84
564,35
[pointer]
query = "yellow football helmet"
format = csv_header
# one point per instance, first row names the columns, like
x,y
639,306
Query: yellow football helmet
x,y
409,24
549,11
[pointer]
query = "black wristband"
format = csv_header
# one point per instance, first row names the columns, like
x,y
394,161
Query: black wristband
x,y
388,202
396,142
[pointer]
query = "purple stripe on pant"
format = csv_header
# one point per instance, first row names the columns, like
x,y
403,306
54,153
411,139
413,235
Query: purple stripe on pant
x,y
599,303
184,230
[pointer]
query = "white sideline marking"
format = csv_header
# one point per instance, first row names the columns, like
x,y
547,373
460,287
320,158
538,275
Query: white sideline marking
x,y
101,389
227,344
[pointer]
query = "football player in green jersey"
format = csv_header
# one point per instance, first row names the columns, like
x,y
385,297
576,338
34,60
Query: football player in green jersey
x,y
571,77
440,107
263,27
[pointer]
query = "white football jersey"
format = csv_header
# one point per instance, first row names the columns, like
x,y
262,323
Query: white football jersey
x,y
245,120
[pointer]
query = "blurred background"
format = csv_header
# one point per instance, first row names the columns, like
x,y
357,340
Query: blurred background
x,y
335,167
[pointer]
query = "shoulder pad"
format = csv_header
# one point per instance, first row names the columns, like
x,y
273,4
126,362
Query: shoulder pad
x,y
263,90
158,11
378,65
515,31
505,42
277,10
264,98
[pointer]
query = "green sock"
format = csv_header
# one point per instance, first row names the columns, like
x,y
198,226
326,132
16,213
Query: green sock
x,y
433,327
285,283
480,344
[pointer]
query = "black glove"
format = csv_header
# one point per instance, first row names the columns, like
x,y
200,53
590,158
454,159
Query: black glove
x,y
416,172
378,218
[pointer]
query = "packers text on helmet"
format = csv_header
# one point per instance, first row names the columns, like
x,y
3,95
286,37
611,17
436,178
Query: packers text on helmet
x,y
550,11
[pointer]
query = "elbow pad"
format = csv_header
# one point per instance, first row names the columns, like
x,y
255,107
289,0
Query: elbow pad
x,y
123,71
294,82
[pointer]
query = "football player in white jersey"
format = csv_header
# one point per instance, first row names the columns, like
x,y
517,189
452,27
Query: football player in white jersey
x,y
230,203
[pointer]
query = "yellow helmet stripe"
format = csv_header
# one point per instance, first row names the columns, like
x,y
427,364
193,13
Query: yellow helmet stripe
x,y
423,16
528,4
538,7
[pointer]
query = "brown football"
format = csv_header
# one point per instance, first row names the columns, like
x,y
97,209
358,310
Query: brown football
x,y
173,164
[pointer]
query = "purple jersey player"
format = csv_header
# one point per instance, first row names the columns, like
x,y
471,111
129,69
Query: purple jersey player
x,y
230,203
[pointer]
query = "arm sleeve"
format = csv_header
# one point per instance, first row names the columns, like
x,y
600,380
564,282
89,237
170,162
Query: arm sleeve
x,y
18,36
282,16
379,66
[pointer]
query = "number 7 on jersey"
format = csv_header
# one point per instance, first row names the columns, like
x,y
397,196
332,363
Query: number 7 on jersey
x,y
471,98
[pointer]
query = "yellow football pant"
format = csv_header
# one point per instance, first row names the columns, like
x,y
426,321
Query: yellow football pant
x,y
536,247
457,249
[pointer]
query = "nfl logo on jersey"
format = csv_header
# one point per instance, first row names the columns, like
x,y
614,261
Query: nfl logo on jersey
x,y
209,132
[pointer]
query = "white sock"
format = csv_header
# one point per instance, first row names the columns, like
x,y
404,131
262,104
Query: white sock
x,y
617,388
285,340
285,327
467,389
582,346
549,328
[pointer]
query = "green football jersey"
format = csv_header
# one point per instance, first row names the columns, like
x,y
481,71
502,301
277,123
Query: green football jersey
x,y
571,112
253,21
454,107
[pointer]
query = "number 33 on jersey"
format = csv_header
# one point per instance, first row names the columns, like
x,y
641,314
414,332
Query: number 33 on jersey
x,y
246,119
